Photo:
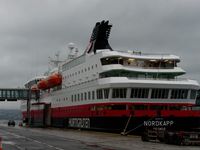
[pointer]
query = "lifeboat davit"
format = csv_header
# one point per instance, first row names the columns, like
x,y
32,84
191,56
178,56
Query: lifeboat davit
x,y
54,80
34,88
43,84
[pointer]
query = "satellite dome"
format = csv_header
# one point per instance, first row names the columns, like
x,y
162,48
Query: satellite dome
x,y
71,45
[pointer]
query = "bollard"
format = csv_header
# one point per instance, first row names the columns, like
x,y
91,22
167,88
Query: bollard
x,y
1,143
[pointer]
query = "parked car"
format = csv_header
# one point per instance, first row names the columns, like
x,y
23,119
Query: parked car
x,y
11,123
20,124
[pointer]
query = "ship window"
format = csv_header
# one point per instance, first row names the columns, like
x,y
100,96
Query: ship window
x,y
85,69
111,60
93,95
96,65
72,98
8,94
119,93
139,107
12,93
118,107
92,66
120,73
88,68
99,108
155,107
193,94
81,96
75,97
159,93
78,97
85,96
106,93
99,94
89,95
174,108
179,94
139,93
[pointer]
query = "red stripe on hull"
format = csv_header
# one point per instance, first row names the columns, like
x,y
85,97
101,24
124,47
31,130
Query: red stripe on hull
x,y
116,110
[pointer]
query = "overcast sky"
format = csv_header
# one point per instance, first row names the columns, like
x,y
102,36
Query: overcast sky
x,y
33,30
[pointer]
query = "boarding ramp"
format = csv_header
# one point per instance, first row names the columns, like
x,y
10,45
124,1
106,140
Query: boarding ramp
x,y
14,94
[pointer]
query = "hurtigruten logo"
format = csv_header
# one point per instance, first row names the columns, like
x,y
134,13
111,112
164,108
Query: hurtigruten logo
x,y
79,122
158,122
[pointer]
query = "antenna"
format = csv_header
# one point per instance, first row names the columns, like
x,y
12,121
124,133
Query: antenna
x,y
57,55
55,62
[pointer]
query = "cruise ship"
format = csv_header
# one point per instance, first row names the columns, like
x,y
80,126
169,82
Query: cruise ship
x,y
106,89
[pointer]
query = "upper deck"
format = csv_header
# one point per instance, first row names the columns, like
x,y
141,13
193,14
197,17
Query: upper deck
x,y
140,55
106,63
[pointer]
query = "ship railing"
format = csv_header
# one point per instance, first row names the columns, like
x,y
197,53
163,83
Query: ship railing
x,y
145,54
149,67
164,79
142,66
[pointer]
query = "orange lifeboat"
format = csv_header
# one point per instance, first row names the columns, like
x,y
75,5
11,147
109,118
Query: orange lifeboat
x,y
34,88
43,84
54,80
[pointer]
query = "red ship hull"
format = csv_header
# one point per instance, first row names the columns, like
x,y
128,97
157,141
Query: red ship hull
x,y
115,116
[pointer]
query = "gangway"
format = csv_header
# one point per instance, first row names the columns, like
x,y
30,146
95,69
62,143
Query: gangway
x,y
14,94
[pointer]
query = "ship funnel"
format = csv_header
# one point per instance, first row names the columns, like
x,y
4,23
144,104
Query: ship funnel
x,y
99,37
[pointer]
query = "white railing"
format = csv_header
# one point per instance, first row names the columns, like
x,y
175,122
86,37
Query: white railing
x,y
145,54
148,67
141,66
164,79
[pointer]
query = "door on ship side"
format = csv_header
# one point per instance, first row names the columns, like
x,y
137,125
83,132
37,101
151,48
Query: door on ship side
x,y
47,115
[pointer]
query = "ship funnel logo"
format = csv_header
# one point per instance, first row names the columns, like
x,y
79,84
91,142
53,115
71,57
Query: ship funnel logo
x,y
99,37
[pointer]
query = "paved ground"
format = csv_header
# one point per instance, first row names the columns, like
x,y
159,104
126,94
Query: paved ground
x,y
28,139
15,138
